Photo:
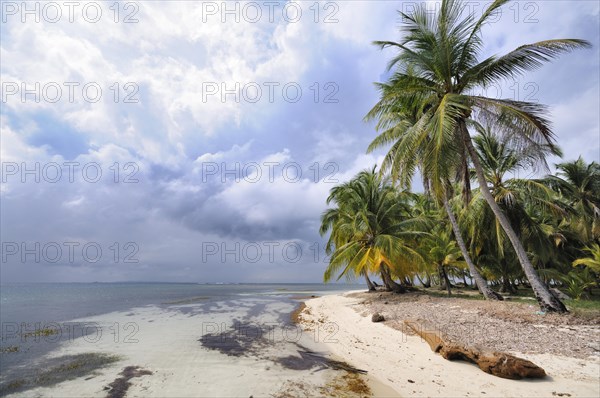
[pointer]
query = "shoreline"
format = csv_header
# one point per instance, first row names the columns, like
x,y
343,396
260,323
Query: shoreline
x,y
171,353
238,347
178,350
405,364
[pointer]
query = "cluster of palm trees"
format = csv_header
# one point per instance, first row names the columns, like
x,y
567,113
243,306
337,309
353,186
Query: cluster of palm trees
x,y
509,230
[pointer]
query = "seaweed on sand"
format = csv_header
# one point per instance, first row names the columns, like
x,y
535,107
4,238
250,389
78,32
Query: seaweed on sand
x,y
119,387
243,339
308,360
59,369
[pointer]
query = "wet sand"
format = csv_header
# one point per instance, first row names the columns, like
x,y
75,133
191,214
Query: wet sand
x,y
246,347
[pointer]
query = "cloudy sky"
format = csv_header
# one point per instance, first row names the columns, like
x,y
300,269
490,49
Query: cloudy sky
x,y
197,141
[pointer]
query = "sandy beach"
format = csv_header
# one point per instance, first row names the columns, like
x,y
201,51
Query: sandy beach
x,y
406,364
237,347
200,348
166,344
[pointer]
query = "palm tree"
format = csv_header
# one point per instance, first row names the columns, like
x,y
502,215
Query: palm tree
x,y
436,71
443,253
525,203
370,227
398,118
592,262
579,185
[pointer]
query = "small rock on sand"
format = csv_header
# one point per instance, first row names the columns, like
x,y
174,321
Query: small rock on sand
x,y
377,317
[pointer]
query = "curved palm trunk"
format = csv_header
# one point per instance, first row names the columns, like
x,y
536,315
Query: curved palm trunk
x,y
424,282
441,276
481,283
427,282
506,285
388,281
447,281
369,283
548,302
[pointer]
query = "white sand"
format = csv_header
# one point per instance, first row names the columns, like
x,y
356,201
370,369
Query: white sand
x,y
166,343
395,358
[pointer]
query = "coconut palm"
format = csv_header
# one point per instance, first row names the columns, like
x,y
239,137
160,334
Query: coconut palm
x,y
593,261
443,253
526,203
579,184
577,282
398,118
370,227
436,71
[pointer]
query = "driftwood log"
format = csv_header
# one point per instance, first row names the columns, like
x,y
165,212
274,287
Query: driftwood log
x,y
496,363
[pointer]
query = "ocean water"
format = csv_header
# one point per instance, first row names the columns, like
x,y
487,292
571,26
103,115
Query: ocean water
x,y
58,302
159,326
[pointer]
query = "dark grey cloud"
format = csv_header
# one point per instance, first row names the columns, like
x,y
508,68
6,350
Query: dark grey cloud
x,y
177,211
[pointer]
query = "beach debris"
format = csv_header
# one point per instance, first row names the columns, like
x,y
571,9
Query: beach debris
x,y
307,359
56,370
377,317
594,345
242,339
12,348
484,323
343,385
295,316
247,339
496,363
346,385
45,332
119,387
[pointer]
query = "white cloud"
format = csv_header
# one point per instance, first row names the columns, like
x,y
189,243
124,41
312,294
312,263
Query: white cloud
x,y
174,60
172,132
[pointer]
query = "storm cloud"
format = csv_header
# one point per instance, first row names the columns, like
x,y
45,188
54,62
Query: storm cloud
x,y
191,144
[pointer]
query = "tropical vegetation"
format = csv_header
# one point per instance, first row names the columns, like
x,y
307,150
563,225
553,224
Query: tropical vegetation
x,y
475,219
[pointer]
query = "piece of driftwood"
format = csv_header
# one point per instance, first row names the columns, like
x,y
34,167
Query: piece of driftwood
x,y
493,362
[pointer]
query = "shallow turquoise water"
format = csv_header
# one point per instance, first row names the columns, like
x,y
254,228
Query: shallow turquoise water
x,y
234,318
